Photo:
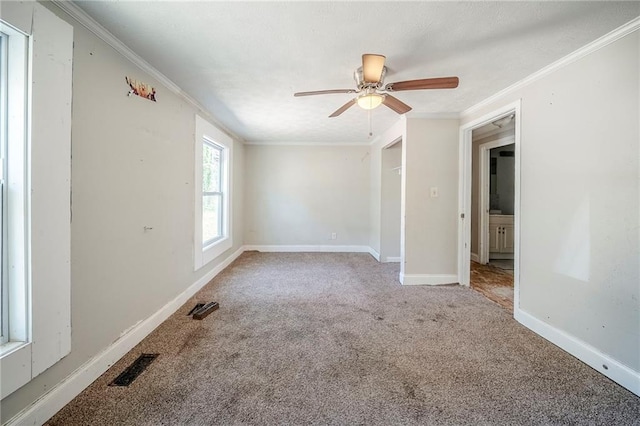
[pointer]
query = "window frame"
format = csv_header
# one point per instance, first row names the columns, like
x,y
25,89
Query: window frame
x,y
15,205
206,251
4,303
40,219
220,193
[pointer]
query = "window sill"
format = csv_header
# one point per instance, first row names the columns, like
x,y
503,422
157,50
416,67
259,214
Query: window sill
x,y
15,363
212,251
8,348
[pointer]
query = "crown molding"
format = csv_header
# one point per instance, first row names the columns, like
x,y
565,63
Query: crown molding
x,y
595,45
277,143
434,115
103,34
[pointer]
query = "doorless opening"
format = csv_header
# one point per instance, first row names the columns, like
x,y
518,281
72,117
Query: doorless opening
x,y
508,113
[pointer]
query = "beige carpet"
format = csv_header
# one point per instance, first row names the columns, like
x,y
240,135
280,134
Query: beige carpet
x,y
334,339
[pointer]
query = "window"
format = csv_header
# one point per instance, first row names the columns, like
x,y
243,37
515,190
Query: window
x,y
4,302
35,128
214,150
13,144
212,194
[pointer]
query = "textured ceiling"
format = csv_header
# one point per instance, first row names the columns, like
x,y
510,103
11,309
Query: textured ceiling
x,y
244,60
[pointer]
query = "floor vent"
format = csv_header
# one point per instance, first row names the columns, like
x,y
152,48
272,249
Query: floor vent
x,y
205,310
201,310
195,308
134,370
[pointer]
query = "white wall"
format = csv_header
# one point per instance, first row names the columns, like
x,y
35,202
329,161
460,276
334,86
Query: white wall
x,y
430,156
300,195
390,209
580,213
132,166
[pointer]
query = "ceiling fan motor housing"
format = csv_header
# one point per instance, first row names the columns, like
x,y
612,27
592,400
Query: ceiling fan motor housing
x,y
358,76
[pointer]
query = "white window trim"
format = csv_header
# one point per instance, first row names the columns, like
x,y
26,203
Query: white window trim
x,y
3,204
221,193
204,255
47,177
17,210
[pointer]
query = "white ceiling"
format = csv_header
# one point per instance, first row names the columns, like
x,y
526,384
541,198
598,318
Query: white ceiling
x,y
244,60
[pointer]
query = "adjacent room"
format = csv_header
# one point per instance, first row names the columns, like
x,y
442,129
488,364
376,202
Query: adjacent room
x,y
230,212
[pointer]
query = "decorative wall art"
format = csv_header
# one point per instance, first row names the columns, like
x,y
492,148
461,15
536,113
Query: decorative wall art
x,y
141,89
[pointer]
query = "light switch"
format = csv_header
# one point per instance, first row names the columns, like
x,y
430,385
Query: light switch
x,y
433,192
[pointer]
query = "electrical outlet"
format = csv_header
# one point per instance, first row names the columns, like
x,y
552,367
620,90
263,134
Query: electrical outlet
x,y
334,236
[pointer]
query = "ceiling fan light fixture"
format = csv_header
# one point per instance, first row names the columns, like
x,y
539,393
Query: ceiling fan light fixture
x,y
370,101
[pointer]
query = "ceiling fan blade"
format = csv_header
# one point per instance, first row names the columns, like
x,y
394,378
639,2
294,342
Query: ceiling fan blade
x,y
396,104
372,66
425,83
343,108
325,92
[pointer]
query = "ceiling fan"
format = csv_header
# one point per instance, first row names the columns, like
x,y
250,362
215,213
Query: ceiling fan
x,y
372,92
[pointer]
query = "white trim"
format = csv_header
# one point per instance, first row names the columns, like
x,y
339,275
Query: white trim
x,y
279,143
619,373
103,34
601,42
483,203
501,256
464,193
475,258
434,115
311,249
392,259
428,279
16,354
207,131
45,203
375,254
51,402
464,205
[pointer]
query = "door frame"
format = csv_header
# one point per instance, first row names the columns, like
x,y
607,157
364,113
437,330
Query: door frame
x,y
483,204
464,195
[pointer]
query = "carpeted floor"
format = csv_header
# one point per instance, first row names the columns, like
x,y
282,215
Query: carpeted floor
x,y
329,338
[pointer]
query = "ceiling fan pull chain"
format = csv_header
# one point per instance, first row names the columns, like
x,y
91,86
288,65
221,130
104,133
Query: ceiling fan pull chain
x,y
369,117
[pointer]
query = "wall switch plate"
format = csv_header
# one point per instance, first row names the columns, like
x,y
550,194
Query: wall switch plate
x,y
433,192
334,236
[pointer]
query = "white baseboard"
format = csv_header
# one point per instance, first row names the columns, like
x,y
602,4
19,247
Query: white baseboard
x,y
428,279
309,248
392,259
51,402
475,257
586,353
507,256
375,254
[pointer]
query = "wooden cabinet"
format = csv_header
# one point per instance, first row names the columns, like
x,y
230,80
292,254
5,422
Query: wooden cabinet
x,y
501,237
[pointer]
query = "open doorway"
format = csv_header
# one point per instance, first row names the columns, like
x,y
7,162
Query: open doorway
x,y
489,212
492,210
391,203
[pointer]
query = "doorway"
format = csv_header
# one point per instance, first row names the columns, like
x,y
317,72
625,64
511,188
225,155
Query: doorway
x,y
489,221
492,199
391,202
493,195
